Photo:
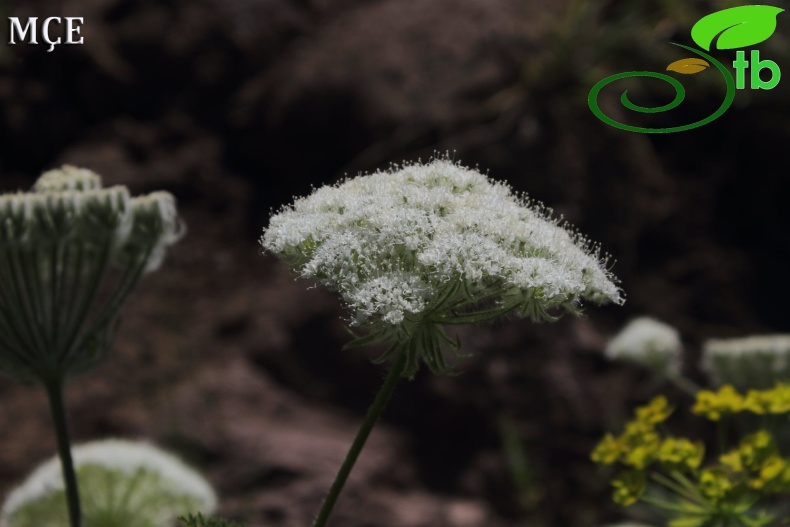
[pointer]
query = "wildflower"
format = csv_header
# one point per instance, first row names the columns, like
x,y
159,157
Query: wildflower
x,y
752,453
732,460
608,450
770,471
122,483
629,487
715,484
423,246
639,444
714,405
656,411
642,450
681,453
756,362
649,343
774,401
70,253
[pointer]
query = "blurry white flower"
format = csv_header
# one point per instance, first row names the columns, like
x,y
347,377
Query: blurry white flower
x,y
67,177
425,245
756,362
122,484
70,254
651,344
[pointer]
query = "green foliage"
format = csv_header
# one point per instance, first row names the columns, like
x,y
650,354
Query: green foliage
x,y
737,487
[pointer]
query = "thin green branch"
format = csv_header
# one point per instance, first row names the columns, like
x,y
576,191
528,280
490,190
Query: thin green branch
x,y
375,410
54,388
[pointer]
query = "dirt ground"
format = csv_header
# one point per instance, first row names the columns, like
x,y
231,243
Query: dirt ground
x,y
224,357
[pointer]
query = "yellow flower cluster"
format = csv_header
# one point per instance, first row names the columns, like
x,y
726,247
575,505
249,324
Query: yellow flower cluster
x,y
714,405
640,445
774,401
715,484
681,453
757,459
629,487
724,491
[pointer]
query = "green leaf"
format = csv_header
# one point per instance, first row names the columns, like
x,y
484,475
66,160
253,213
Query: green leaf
x,y
737,27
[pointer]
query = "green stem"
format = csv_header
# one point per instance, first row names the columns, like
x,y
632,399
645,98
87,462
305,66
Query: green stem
x,y
54,389
382,398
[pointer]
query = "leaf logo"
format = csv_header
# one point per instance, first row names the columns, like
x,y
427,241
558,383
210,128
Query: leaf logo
x,y
688,66
737,27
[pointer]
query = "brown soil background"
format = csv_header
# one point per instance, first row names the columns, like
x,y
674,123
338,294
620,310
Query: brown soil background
x,y
235,106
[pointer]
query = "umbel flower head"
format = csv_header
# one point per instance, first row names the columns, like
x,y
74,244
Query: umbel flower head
x,y
756,362
122,484
650,344
70,254
422,246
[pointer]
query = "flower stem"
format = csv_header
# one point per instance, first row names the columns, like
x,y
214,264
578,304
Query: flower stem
x,y
54,389
382,398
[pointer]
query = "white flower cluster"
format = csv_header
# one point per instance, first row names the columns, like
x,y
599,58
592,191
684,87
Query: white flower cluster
x,y
756,362
391,242
67,177
649,343
121,483
437,243
58,244
69,204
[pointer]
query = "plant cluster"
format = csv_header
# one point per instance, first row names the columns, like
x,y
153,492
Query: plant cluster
x,y
735,488
411,251
71,253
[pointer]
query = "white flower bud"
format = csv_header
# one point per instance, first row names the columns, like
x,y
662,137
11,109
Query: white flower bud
x,y
756,362
120,481
649,343
67,177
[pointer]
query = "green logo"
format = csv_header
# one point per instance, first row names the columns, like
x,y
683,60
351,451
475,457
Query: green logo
x,y
733,28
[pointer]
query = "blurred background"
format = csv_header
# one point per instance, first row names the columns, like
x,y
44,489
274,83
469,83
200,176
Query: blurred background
x,y
235,106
